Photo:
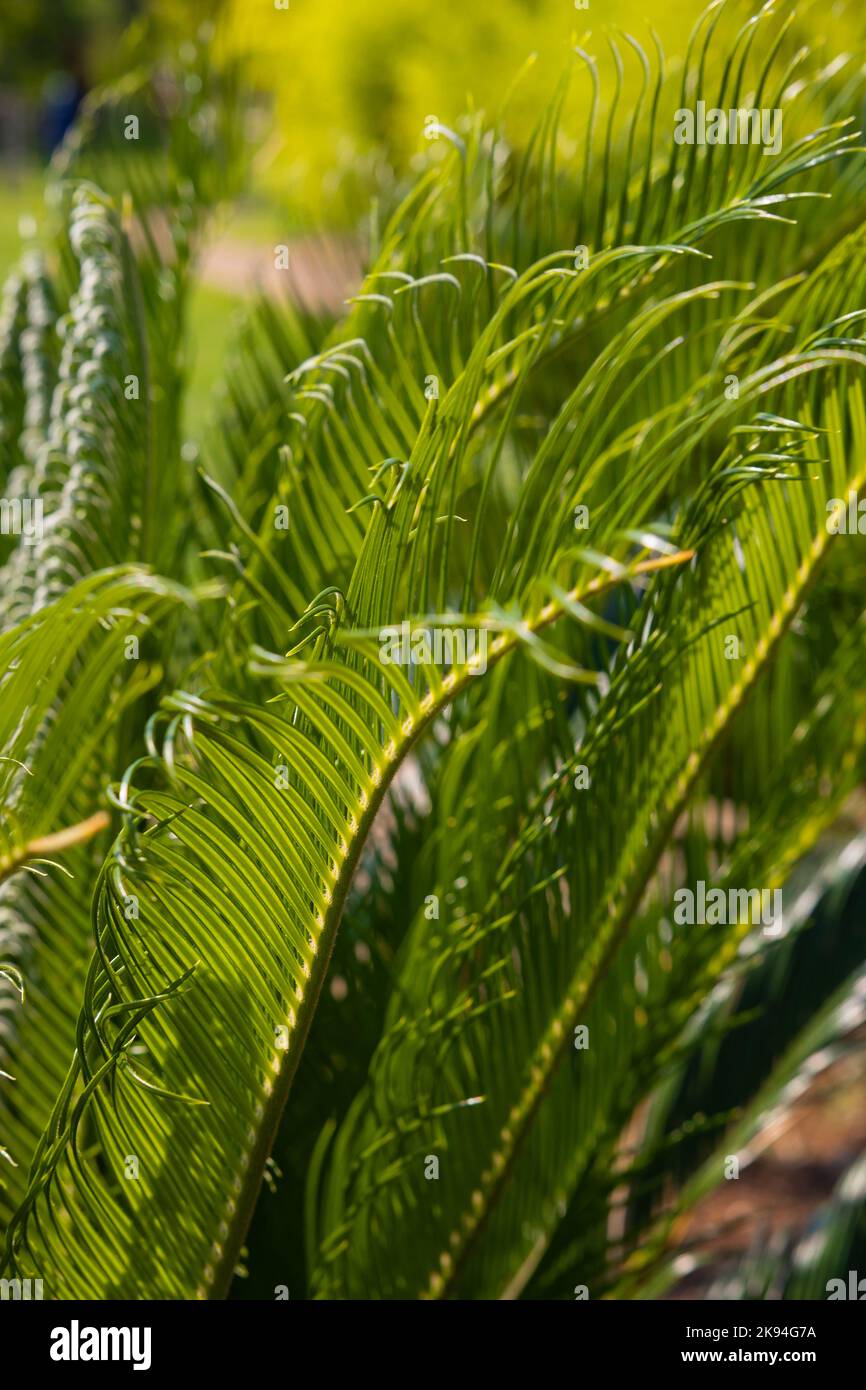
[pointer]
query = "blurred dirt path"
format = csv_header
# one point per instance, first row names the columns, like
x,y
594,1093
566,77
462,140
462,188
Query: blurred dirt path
x,y
798,1163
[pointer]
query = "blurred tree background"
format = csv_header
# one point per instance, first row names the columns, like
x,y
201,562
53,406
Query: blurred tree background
x,y
345,88
341,94
51,53
353,81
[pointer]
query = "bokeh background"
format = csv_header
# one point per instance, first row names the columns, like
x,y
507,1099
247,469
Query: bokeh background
x,y
342,93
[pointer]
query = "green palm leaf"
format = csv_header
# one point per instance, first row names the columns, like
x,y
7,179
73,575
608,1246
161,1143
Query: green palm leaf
x,y
489,395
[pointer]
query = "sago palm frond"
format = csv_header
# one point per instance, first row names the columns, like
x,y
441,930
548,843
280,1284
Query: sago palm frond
x,y
581,418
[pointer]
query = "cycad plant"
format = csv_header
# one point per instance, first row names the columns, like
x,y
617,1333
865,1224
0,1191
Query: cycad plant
x,y
359,761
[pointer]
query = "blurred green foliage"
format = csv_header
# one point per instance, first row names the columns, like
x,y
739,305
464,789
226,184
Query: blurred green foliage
x,y
345,88
353,83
